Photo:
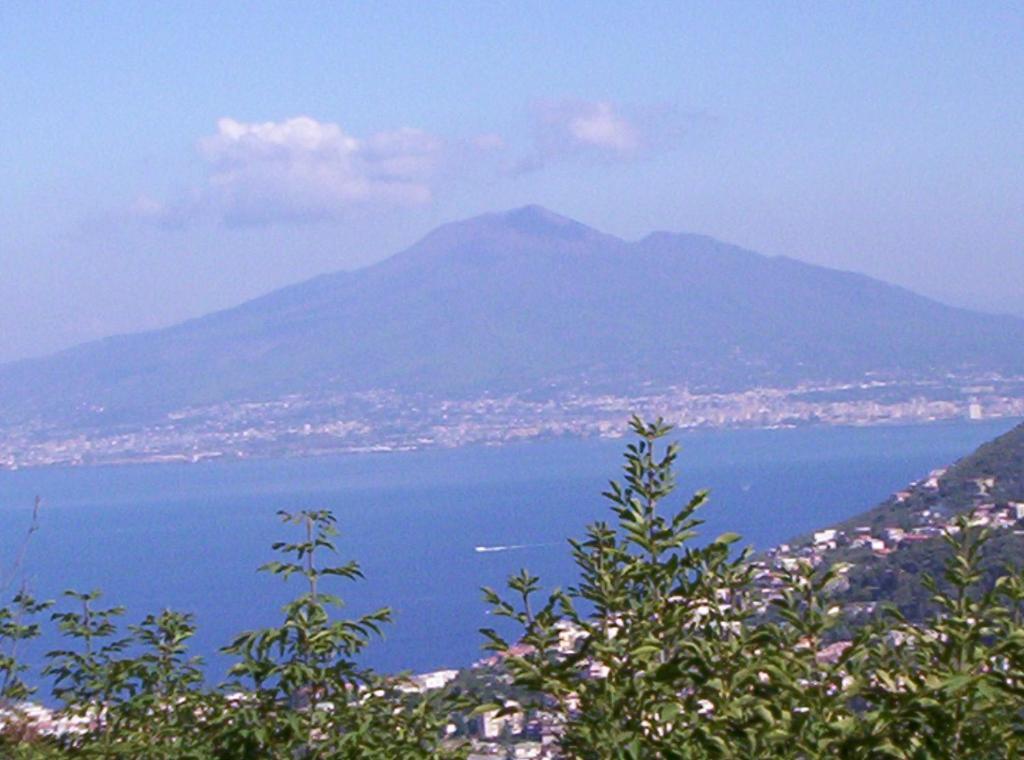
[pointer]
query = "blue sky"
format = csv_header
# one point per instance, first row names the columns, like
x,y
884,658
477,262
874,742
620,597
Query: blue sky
x,y
161,160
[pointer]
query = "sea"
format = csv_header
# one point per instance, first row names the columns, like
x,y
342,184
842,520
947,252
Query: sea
x,y
191,536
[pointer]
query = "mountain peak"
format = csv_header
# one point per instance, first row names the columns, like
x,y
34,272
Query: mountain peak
x,y
534,220
533,214
522,229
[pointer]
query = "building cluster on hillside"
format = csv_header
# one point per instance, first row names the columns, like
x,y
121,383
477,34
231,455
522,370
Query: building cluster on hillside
x,y
43,721
524,734
511,731
914,525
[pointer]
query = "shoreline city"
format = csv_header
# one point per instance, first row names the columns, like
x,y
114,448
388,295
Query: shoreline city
x,y
386,421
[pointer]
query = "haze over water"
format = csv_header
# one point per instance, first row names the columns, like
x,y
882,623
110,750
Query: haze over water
x,y
190,536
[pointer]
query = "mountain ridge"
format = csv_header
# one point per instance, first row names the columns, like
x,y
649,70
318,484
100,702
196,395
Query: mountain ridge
x,y
526,300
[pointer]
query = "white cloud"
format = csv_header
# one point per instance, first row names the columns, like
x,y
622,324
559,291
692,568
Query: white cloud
x,y
301,169
598,125
581,129
596,131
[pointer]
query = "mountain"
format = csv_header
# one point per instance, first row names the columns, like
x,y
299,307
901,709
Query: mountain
x,y
526,301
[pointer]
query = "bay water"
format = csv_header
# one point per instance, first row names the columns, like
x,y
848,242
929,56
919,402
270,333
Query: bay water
x,y
190,537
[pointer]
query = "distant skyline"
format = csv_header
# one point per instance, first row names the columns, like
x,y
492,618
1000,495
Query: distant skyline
x,y
158,162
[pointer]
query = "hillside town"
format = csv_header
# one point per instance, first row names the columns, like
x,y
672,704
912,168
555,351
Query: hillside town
x,y
904,529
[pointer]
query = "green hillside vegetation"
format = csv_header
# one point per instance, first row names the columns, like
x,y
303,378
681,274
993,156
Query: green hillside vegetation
x,y
1001,459
992,476
666,646
899,577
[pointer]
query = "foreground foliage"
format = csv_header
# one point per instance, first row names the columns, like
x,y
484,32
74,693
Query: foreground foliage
x,y
664,648
684,653
295,690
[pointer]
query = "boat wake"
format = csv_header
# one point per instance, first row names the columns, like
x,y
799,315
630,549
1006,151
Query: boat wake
x,y
509,548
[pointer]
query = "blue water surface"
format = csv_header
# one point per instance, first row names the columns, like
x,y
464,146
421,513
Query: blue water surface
x,y
191,536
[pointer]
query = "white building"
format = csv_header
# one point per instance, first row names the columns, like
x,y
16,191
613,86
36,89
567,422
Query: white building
x,y
437,679
491,725
826,538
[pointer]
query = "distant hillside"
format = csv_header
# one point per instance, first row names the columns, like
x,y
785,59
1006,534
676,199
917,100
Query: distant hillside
x,y
525,301
957,489
989,481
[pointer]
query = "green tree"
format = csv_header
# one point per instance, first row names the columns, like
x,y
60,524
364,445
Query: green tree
x,y
681,653
665,664
299,689
89,675
952,685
